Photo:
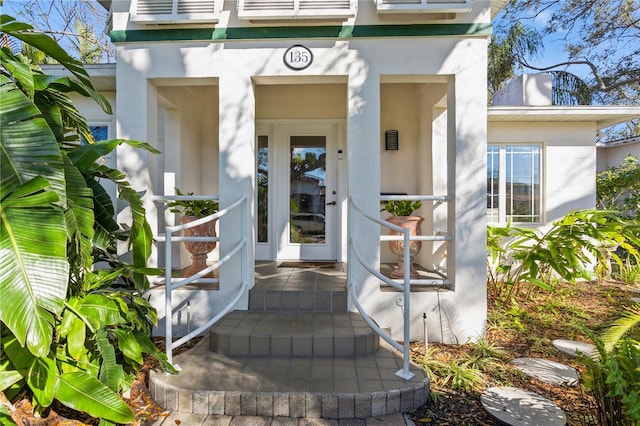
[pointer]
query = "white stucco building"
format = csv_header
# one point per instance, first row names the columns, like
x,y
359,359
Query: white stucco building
x,y
237,95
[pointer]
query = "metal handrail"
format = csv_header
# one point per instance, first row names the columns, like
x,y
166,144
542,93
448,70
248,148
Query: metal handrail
x,y
403,285
170,285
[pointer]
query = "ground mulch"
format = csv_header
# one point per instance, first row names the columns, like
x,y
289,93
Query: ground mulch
x,y
541,317
544,317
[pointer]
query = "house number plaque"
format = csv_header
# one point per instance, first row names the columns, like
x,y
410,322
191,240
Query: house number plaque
x,y
298,57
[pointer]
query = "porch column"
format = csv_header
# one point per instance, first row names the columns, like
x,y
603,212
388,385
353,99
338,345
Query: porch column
x,y
363,146
237,165
467,116
137,119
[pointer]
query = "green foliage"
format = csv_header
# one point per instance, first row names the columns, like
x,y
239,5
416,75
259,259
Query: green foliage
x,y
456,374
627,325
507,51
197,208
613,379
69,331
618,188
628,273
400,208
522,256
485,356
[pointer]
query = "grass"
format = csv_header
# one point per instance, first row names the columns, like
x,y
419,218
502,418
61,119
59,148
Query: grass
x,y
524,326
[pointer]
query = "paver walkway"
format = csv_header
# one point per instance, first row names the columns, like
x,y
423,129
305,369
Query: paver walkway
x,y
547,371
518,407
574,348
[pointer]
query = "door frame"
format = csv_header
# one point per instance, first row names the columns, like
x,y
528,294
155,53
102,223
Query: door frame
x,y
277,132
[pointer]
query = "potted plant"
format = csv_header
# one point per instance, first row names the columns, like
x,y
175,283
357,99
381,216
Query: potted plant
x,y
402,215
191,210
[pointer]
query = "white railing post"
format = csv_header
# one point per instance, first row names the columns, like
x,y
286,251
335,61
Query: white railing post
x,y
405,373
168,303
244,235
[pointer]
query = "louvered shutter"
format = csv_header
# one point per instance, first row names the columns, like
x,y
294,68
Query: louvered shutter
x,y
176,11
413,6
289,9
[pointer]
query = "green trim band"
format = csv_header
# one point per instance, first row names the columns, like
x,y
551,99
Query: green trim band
x,y
333,31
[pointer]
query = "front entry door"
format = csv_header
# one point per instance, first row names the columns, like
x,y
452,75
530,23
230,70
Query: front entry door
x,y
306,210
297,196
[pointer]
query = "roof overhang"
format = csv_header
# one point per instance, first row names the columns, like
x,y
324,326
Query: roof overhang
x,y
621,142
603,116
496,7
103,76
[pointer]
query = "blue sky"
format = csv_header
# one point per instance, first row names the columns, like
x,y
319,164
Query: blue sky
x,y
553,51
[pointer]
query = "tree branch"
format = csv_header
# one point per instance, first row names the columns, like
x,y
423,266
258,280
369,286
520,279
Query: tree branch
x,y
601,85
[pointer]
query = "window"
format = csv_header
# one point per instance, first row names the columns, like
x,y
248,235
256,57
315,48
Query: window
x,y
513,184
262,183
100,133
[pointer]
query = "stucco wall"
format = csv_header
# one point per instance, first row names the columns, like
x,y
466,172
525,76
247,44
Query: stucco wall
x,y
299,101
375,70
568,159
614,155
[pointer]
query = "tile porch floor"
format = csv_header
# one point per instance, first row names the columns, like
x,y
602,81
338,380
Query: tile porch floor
x,y
313,384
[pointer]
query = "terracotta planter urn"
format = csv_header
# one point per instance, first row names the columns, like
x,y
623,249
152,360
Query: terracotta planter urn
x,y
198,249
412,223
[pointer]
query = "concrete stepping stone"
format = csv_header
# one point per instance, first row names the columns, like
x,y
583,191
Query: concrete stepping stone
x,y
635,299
547,371
575,348
518,407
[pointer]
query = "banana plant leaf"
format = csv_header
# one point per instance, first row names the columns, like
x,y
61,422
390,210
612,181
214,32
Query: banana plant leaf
x,y
82,392
34,268
50,47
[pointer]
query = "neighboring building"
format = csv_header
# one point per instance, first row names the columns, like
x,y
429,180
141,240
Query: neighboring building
x,y
545,155
612,153
372,97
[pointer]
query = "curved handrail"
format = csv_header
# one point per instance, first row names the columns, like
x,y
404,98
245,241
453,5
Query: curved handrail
x,y
170,286
406,287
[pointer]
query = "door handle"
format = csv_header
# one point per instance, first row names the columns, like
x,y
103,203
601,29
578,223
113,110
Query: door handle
x,y
333,203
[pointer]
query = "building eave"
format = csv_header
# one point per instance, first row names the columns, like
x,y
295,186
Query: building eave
x,y
621,142
103,76
497,6
603,116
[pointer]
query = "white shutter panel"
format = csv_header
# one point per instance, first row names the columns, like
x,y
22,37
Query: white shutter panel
x,y
326,4
176,11
267,5
290,9
196,6
154,7
416,6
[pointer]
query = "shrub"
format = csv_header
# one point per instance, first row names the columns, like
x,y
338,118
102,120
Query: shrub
x,y
613,377
519,256
69,332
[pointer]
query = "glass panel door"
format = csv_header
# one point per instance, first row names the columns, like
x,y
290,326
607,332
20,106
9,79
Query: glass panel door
x,y
307,189
306,198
